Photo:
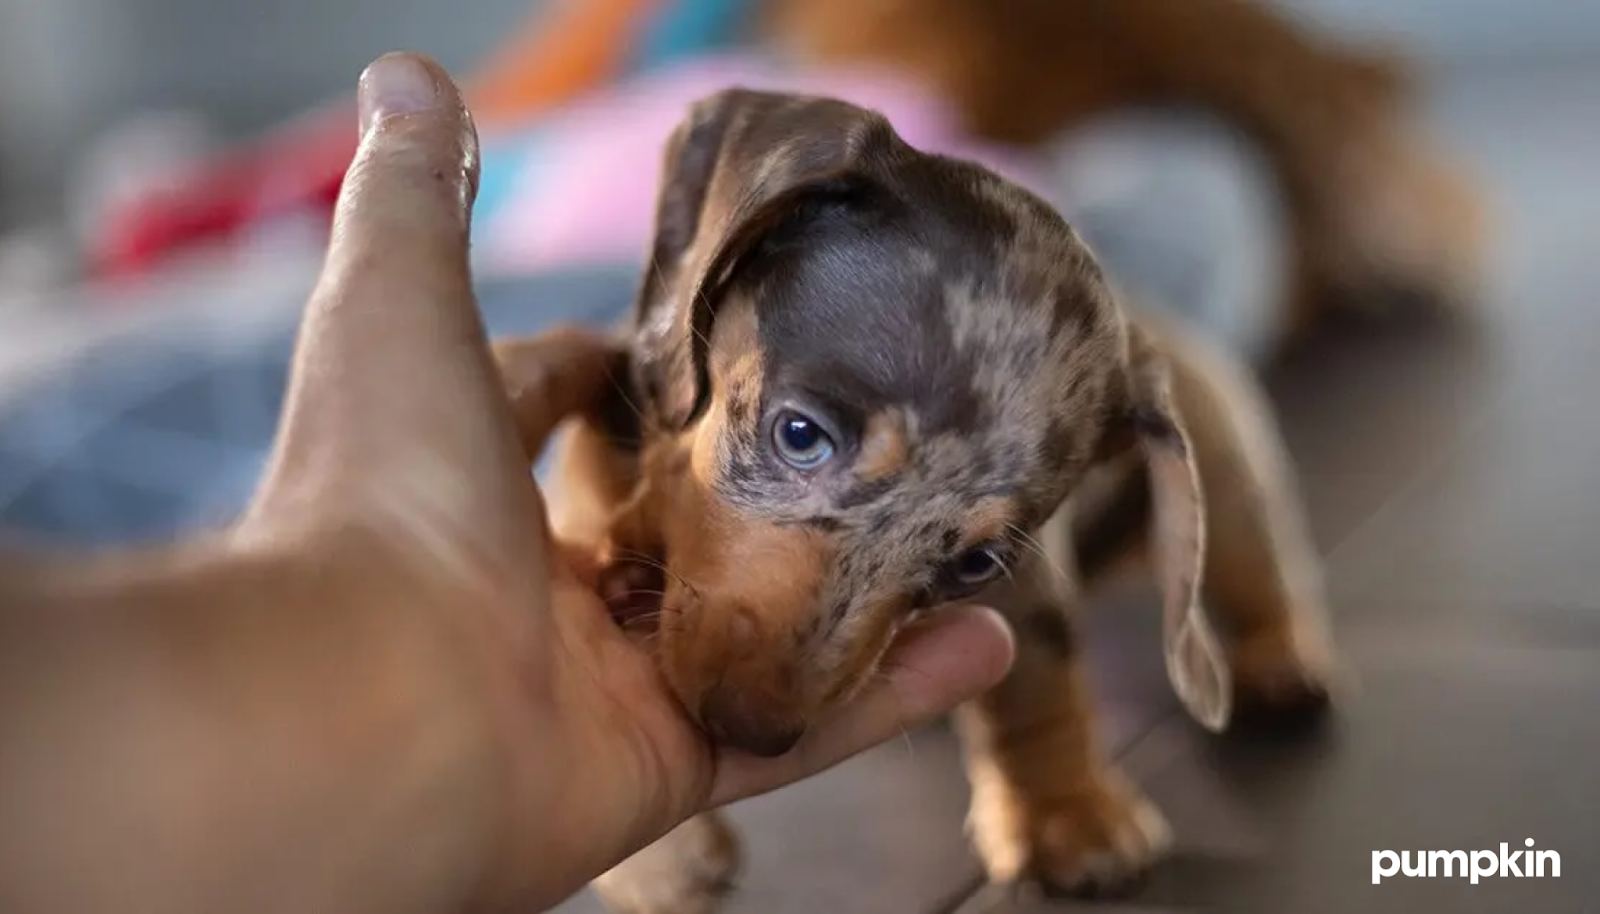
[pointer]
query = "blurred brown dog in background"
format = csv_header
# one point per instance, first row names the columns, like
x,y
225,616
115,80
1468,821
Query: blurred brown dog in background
x,y
1381,221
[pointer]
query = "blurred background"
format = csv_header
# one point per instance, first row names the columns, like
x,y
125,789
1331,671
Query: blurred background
x,y
1388,208
173,160
71,69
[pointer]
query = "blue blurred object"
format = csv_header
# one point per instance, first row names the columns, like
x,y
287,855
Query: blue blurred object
x,y
683,28
149,435
1182,212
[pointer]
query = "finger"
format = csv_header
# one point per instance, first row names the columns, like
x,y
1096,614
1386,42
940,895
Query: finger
x,y
400,235
551,376
392,349
932,668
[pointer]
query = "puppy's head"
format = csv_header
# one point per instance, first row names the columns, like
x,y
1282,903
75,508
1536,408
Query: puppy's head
x,y
866,373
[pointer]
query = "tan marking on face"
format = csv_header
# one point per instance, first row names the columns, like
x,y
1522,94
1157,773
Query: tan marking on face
x,y
773,572
744,375
885,446
752,596
736,360
736,370
704,441
989,520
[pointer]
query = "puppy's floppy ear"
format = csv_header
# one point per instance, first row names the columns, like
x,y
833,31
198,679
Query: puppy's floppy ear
x,y
1195,660
739,166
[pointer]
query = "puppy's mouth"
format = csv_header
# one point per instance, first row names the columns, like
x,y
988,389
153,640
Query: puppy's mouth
x,y
633,588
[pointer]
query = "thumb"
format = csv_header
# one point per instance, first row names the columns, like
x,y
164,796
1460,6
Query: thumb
x,y
392,376
393,313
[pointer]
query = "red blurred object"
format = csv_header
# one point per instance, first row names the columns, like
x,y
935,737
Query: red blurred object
x,y
557,54
297,171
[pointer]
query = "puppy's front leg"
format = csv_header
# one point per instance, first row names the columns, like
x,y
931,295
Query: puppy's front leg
x,y
1046,804
686,871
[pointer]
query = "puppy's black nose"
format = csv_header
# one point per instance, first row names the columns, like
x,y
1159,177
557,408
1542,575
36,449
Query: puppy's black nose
x,y
732,722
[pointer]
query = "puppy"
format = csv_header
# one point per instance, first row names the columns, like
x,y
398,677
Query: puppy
x,y
864,381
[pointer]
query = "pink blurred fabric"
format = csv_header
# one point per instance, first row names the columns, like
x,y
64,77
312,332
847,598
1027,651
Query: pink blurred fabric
x,y
581,184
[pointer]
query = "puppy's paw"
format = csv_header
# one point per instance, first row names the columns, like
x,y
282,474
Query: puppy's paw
x,y
1099,839
1278,683
686,872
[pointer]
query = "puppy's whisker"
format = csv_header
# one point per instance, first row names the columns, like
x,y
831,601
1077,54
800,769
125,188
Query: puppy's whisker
x,y
905,735
657,617
1037,548
646,638
665,611
704,302
880,677
643,558
623,555
1028,541
620,385
700,335
622,391
639,593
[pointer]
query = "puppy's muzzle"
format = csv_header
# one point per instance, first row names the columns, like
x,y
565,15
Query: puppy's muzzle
x,y
732,719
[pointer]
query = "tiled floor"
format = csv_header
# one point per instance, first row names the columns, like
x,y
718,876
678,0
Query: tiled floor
x,y
1454,481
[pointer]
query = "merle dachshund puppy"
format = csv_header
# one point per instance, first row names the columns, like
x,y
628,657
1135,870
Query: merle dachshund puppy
x,y
863,381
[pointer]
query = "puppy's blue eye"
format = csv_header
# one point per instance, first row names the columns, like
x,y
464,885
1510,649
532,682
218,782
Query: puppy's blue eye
x,y
976,566
800,441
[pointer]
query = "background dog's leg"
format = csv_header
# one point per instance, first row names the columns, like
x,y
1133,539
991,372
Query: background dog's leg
x,y
1045,804
1263,581
685,872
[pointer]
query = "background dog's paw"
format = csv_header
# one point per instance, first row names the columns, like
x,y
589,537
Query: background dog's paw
x,y
686,872
1099,840
1413,231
